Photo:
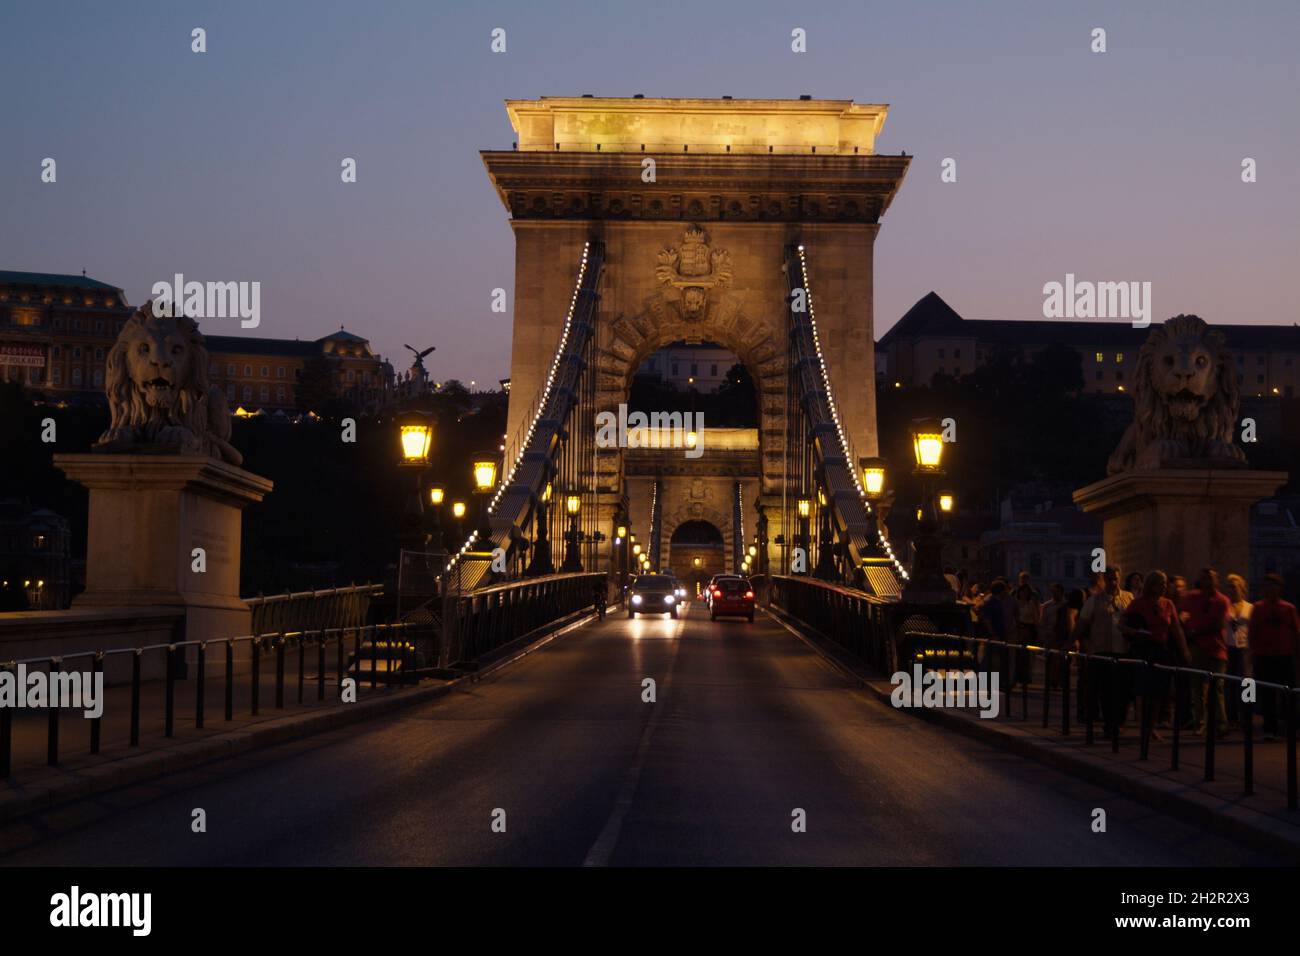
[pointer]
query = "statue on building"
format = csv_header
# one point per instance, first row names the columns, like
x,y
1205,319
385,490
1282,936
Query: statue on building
x,y
159,397
1185,400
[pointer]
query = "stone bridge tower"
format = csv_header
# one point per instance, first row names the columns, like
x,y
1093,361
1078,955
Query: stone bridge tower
x,y
696,201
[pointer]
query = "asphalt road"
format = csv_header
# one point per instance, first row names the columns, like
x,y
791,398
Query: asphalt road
x,y
749,726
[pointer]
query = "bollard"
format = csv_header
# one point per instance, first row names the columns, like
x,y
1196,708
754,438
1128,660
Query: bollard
x,y
135,698
96,667
374,660
202,673
52,740
302,662
320,664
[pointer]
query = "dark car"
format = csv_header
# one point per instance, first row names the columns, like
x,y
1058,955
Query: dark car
x,y
652,594
731,597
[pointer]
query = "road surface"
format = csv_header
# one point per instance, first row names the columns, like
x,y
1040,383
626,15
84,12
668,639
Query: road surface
x,y
750,731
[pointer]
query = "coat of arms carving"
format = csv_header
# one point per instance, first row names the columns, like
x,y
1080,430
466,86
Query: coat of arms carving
x,y
693,270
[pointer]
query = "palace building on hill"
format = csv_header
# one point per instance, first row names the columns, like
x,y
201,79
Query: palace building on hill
x,y
932,339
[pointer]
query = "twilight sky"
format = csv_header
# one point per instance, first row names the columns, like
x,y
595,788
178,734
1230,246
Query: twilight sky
x,y
225,166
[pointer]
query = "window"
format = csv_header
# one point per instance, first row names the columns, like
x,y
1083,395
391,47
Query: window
x,y
1119,375
1099,374
352,376
230,368
76,376
56,376
230,391
940,353
214,369
98,378
956,353
248,371
1068,565
695,368
1100,357
57,351
674,369
1036,564
99,354
279,371
1119,358
1259,379
76,352
99,326
248,393
266,371
1259,360
265,394
279,393
713,370
76,325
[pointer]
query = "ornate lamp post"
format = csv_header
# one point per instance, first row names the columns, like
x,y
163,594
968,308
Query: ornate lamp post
x,y
804,509
826,540
415,437
541,562
620,554
927,583
572,556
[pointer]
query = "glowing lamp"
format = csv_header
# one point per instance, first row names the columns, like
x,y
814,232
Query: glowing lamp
x,y
805,507
946,501
927,444
696,562
485,473
458,509
573,504
621,531
415,430
636,549
752,550
436,494
873,476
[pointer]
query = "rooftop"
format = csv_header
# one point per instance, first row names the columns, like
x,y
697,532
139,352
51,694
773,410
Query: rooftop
x,y
54,279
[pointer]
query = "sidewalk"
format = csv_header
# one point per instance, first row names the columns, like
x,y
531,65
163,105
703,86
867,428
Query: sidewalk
x,y
1261,819
33,785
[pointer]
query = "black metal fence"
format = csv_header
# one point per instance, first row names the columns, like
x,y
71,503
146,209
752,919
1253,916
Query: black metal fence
x,y
313,610
481,621
1068,687
218,680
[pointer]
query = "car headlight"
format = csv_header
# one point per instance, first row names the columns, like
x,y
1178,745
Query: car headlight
x,y
668,599
636,599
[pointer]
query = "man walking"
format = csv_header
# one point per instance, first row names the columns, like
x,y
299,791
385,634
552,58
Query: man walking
x,y
1274,643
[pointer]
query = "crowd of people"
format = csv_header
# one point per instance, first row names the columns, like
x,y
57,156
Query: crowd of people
x,y
1211,627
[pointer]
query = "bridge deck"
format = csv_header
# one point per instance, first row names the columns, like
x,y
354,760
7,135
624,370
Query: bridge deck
x,y
749,725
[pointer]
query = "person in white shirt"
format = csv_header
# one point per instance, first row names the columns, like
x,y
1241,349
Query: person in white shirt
x,y
1098,632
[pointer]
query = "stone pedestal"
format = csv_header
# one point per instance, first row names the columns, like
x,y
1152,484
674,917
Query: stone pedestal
x,y
147,515
1178,520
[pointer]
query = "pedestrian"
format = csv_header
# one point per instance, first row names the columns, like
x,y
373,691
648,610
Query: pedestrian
x,y
1134,583
1238,641
1099,634
1156,636
1206,612
1274,634
998,619
1056,625
1028,609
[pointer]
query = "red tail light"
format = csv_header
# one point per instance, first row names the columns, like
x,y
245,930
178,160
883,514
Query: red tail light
x,y
749,594
717,592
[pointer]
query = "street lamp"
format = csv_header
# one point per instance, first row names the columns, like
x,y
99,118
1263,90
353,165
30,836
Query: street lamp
x,y
946,502
414,438
485,474
927,583
572,558
873,477
458,509
436,495
804,506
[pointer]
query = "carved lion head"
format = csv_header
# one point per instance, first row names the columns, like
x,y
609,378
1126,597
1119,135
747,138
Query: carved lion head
x,y
1184,387
157,372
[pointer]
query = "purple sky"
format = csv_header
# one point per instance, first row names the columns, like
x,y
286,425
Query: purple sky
x,y
225,166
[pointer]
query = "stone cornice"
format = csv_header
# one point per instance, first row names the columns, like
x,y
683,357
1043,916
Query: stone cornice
x,y
697,187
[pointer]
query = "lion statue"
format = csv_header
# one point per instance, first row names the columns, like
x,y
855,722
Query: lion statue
x,y
159,398
1185,401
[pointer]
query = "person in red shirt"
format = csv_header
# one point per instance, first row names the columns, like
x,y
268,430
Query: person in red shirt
x,y
1205,619
1151,624
1274,640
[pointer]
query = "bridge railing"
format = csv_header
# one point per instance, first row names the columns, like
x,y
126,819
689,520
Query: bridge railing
x,y
160,689
481,622
1054,687
313,610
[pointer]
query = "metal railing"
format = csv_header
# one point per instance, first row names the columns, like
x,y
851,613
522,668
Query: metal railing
x,y
482,621
228,678
893,636
313,610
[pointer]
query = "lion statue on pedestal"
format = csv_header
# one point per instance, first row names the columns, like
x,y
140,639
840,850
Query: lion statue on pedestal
x,y
159,398
1185,400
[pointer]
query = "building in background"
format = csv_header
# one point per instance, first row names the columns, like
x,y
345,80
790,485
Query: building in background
x,y
703,367
1041,531
56,331
34,546
932,339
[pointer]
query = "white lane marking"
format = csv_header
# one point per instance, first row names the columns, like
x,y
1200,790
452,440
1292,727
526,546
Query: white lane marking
x,y
603,848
